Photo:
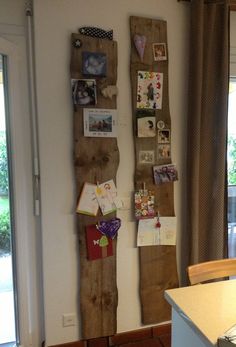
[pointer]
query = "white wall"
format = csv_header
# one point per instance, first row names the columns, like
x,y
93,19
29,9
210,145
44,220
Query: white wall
x,y
54,23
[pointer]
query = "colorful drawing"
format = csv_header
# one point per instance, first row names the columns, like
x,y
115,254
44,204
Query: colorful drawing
x,y
144,204
149,90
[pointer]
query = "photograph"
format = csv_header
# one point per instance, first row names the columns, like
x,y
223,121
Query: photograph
x,y
146,123
84,92
163,136
163,151
100,123
94,64
149,90
159,51
165,173
146,157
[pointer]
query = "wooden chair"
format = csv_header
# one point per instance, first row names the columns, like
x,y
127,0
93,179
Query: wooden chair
x,y
211,270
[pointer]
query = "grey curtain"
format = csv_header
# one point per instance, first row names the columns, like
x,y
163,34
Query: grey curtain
x,y
205,237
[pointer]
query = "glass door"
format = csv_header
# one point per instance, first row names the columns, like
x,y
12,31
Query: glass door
x,y
7,278
232,169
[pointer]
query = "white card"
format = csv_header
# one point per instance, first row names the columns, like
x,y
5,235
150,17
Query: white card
x,y
150,235
88,203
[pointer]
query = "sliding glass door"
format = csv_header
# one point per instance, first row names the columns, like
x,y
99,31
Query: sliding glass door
x,y
8,309
232,169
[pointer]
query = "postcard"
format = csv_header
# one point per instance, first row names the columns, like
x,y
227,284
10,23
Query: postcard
x,y
88,201
144,202
165,173
149,90
107,198
100,122
94,64
84,92
150,235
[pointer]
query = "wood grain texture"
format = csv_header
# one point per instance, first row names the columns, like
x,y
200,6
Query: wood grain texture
x,y
158,270
95,160
211,270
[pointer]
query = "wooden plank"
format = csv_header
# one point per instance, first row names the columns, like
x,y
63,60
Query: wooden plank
x,y
95,160
158,270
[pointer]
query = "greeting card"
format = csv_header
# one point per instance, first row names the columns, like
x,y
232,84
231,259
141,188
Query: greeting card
x,y
88,201
98,245
152,234
107,198
144,204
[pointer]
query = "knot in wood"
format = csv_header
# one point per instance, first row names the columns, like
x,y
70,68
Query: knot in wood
x,y
105,158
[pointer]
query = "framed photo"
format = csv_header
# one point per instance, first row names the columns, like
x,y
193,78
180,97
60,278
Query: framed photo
x,y
146,157
163,136
100,122
149,90
165,173
159,51
94,64
164,151
84,92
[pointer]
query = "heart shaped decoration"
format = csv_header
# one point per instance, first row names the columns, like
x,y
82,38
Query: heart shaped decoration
x,y
140,43
109,227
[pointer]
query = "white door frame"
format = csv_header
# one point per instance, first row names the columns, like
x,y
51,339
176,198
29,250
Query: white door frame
x,y
28,249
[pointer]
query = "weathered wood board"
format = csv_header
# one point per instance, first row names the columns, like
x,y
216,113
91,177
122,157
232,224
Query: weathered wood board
x,y
158,270
96,160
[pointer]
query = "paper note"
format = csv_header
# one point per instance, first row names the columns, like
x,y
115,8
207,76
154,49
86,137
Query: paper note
x,y
150,235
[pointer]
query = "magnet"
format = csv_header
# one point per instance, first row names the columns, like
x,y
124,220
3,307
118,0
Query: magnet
x,y
161,124
77,43
109,91
110,227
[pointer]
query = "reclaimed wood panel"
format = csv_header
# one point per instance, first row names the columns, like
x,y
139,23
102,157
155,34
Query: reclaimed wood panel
x,y
95,160
158,270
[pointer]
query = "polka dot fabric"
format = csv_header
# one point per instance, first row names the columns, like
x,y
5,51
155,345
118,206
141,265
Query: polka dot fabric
x,y
96,32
